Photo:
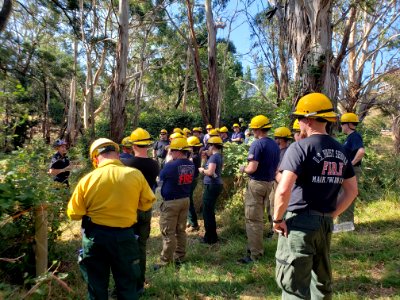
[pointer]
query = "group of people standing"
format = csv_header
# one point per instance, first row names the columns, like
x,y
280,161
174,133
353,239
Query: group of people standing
x,y
303,185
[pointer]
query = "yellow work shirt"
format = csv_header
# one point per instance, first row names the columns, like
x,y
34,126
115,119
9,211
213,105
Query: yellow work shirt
x,y
111,195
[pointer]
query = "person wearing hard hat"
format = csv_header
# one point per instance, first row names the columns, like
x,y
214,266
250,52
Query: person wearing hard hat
x,y
60,165
282,136
354,148
126,146
212,172
141,142
296,130
223,133
262,164
107,200
306,201
186,132
175,179
195,156
173,136
197,133
209,127
160,148
237,136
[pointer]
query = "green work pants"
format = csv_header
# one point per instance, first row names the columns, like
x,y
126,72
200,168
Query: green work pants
x,y
142,230
303,268
210,196
348,214
192,215
104,249
256,199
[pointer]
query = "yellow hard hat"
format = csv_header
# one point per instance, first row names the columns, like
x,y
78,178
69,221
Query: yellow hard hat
x,y
177,130
100,145
315,105
209,126
141,137
223,129
126,142
179,143
175,136
163,131
186,130
213,132
194,141
215,140
349,118
198,129
296,125
235,125
259,122
283,132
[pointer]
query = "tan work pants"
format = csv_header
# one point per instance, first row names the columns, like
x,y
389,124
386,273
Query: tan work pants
x,y
257,196
173,229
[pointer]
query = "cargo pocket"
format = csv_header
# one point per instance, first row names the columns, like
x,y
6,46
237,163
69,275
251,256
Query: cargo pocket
x,y
284,267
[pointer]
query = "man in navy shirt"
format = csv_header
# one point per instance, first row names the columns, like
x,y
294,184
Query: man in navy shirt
x,y
237,136
160,148
306,201
176,180
126,146
263,162
60,164
355,151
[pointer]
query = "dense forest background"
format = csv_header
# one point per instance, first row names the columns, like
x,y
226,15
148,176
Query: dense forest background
x,y
90,68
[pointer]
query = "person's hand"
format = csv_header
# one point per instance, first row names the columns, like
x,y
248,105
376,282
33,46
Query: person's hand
x,y
241,168
201,170
281,228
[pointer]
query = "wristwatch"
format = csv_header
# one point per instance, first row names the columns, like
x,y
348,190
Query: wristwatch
x,y
277,221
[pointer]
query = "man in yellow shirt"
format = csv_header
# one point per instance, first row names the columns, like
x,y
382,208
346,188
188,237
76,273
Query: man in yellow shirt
x,y
107,200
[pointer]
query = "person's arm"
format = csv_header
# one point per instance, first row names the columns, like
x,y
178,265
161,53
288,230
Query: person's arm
x,y
55,172
350,191
359,155
281,201
210,169
250,168
146,198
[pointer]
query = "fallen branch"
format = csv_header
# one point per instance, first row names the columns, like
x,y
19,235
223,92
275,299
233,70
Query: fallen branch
x,y
12,260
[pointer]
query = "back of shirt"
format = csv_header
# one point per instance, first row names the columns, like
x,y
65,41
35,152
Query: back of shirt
x,y
351,145
149,168
266,152
177,177
321,165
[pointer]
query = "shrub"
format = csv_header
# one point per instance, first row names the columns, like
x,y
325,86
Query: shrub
x,y
23,185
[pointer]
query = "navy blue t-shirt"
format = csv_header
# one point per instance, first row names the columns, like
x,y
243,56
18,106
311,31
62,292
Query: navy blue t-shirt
x,y
159,146
177,176
216,179
321,165
351,145
124,155
266,152
60,162
236,135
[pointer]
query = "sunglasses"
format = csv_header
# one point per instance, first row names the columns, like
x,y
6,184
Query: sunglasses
x,y
162,133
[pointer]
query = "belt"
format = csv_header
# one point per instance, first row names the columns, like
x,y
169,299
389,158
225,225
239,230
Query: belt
x,y
88,224
313,212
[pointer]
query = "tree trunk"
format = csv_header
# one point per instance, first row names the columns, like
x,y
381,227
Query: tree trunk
x,y
71,119
310,35
118,89
396,132
185,85
5,13
212,81
46,123
197,66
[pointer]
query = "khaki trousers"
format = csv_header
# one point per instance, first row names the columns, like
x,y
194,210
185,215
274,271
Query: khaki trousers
x,y
173,229
257,196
